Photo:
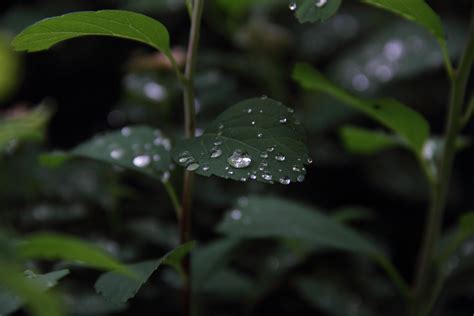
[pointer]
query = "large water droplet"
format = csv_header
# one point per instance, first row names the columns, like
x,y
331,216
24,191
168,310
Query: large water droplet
x,y
285,180
293,6
239,159
320,3
141,161
116,153
192,166
216,153
280,157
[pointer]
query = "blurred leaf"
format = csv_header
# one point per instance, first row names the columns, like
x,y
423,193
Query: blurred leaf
x,y
62,247
38,303
409,124
331,298
365,141
119,288
351,214
257,139
227,282
150,230
266,217
91,304
115,23
27,125
415,10
315,10
53,159
9,69
452,241
210,259
138,148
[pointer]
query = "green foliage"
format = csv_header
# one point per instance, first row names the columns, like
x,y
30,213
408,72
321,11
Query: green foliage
x,y
407,123
116,23
10,65
365,141
257,139
56,246
138,148
118,288
28,125
314,11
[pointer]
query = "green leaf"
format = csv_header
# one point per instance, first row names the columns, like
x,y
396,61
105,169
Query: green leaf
x,y
257,139
38,303
209,259
265,217
138,148
116,23
365,141
27,125
62,247
310,11
407,123
415,10
119,288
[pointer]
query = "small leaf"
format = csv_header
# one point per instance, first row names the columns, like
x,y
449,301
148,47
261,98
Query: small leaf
x,y
62,247
38,303
138,148
316,10
415,10
365,141
265,217
47,280
409,124
209,259
119,288
115,23
257,139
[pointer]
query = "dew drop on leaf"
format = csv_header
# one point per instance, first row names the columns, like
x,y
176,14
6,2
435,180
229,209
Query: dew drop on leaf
x,y
216,153
236,214
126,131
320,3
285,180
280,157
292,6
283,120
300,178
264,155
267,176
141,161
116,153
192,166
239,159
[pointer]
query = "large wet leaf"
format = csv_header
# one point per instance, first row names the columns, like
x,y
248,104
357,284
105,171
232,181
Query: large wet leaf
x,y
406,122
115,23
314,10
264,217
62,247
256,139
10,303
415,10
118,288
138,148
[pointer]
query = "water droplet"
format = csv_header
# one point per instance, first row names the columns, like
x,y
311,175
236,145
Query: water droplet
x,y
259,135
293,6
280,157
267,176
264,97
290,110
249,110
217,143
264,155
300,178
320,3
185,159
270,149
253,122
116,153
216,153
283,120
253,176
126,131
236,214
141,161
239,159
221,126
310,161
192,166
243,179
165,176
230,172
296,168
205,168
360,82
285,180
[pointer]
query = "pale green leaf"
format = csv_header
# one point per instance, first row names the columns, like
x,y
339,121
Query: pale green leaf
x,y
115,23
262,131
62,247
365,141
310,11
406,122
138,148
118,288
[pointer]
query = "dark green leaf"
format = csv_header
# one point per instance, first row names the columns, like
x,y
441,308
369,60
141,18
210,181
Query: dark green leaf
x,y
257,139
315,10
62,247
415,10
138,148
119,288
266,217
409,124
115,23
365,141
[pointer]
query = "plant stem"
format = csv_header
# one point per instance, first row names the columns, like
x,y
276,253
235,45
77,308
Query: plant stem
x,y
440,189
190,127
